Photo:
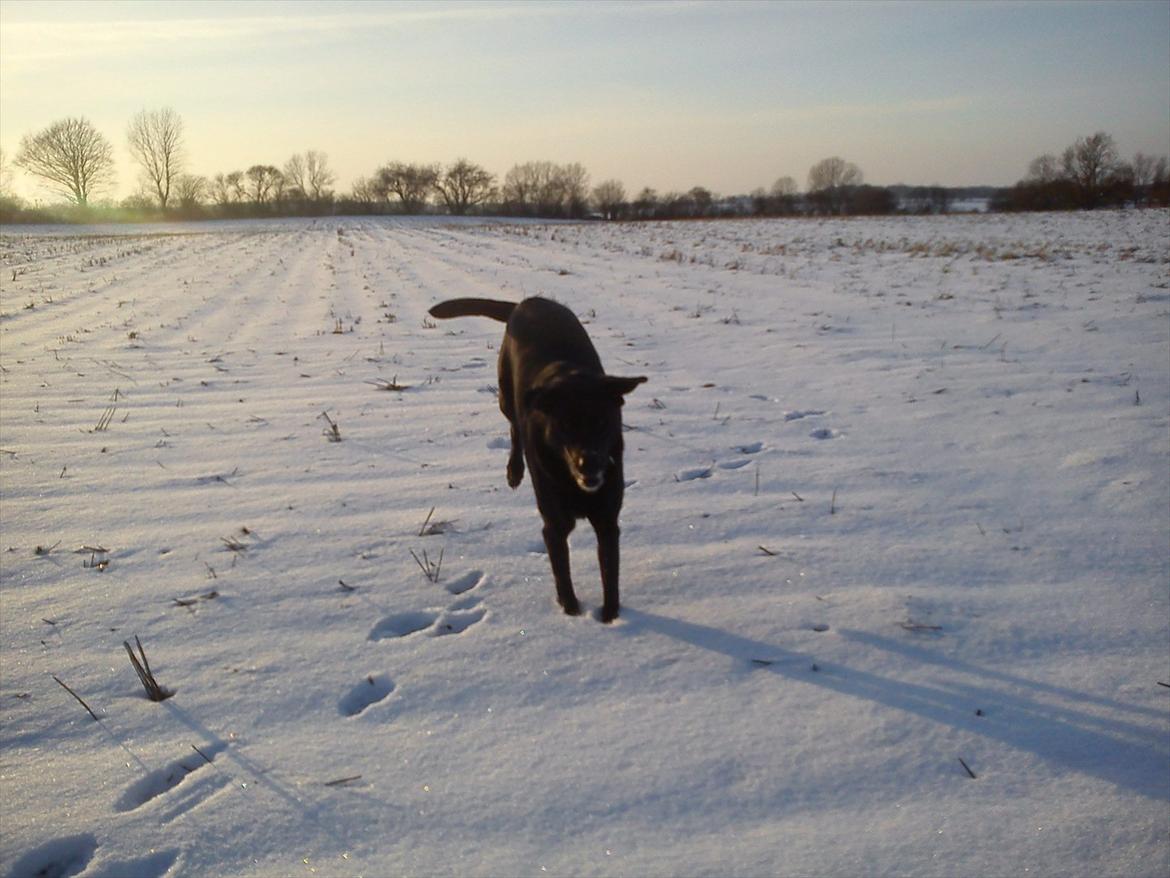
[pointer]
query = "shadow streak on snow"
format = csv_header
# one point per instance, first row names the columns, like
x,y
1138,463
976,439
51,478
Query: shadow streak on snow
x,y
260,775
1124,744
316,806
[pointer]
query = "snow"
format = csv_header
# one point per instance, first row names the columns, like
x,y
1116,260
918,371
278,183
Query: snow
x,y
900,497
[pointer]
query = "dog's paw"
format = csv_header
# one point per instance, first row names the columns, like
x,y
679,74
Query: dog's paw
x,y
515,476
572,608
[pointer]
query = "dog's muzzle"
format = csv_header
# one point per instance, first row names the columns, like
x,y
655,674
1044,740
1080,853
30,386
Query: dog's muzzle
x,y
588,471
590,484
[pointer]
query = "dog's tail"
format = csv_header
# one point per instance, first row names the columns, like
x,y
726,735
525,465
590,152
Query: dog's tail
x,y
493,308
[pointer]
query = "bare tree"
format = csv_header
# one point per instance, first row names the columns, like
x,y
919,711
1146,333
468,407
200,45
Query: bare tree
x,y
609,197
761,203
464,185
264,179
5,174
533,188
156,143
646,203
1159,191
191,190
1143,169
310,174
573,182
410,183
547,189
1149,172
280,188
365,191
71,156
220,190
237,186
832,173
522,185
784,187
320,175
1046,186
676,204
780,199
829,181
1044,169
294,172
701,200
1089,163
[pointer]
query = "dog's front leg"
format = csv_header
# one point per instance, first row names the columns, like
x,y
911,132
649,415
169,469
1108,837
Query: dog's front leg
x,y
608,562
516,460
556,540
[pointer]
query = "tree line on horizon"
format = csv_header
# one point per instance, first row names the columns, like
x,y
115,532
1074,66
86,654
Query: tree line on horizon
x,y
1089,174
73,159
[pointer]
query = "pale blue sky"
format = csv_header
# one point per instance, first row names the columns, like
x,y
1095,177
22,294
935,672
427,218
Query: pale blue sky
x,y
670,95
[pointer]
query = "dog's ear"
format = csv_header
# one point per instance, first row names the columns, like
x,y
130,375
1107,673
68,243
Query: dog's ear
x,y
619,387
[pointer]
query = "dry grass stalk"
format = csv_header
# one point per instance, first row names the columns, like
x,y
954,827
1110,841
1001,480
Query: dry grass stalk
x,y
107,417
429,568
434,528
190,602
911,625
332,433
103,423
392,384
154,691
234,545
75,695
422,530
96,563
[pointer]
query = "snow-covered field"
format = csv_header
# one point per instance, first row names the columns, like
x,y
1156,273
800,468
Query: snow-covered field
x,y
899,497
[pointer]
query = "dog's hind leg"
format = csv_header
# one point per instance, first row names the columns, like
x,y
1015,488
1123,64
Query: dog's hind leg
x,y
608,562
556,540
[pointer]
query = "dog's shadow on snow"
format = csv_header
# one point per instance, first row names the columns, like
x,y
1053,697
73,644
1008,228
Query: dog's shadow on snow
x,y
1118,741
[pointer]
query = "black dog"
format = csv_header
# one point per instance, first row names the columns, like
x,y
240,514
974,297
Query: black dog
x,y
566,422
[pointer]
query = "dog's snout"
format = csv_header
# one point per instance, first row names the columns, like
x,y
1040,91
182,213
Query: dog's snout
x,y
588,469
592,463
